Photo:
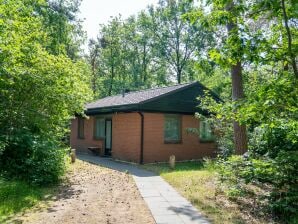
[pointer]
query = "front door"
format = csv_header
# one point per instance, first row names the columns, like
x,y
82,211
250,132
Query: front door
x,y
108,141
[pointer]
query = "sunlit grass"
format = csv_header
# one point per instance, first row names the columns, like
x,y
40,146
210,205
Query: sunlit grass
x,y
16,196
197,183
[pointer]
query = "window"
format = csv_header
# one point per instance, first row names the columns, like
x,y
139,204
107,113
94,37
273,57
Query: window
x,y
99,128
172,129
206,133
80,127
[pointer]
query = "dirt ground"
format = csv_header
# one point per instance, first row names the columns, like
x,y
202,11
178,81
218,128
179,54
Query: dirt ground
x,y
93,194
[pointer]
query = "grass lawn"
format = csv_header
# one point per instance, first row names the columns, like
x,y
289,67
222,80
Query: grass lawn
x,y
198,184
16,196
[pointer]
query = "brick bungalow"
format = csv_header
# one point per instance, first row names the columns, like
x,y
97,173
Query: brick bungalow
x,y
145,126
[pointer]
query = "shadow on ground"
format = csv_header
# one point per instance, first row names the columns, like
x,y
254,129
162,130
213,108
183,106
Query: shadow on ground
x,y
63,192
116,165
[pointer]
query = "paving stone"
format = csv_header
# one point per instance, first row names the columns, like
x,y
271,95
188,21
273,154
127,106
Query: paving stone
x,y
170,194
149,193
165,203
197,219
161,211
180,204
168,219
185,210
176,199
141,185
155,199
158,204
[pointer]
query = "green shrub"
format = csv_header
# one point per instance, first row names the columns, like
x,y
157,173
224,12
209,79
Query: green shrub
x,y
266,141
236,172
284,197
31,158
235,169
209,164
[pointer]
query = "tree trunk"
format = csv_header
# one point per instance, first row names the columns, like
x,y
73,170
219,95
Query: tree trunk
x,y
289,36
144,64
111,82
179,72
93,64
112,72
240,137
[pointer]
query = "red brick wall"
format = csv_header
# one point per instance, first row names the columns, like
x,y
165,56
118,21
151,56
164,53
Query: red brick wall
x,y
155,150
81,145
126,136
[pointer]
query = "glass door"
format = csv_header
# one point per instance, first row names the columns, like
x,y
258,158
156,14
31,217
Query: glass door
x,y
108,141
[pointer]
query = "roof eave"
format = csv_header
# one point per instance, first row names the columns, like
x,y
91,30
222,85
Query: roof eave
x,y
138,108
111,109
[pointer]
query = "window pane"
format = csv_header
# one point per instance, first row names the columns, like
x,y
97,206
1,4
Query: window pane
x,y
202,130
99,128
172,128
206,131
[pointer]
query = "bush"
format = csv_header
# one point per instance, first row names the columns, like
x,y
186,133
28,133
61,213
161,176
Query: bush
x,y
236,172
29,157
284,197
270,141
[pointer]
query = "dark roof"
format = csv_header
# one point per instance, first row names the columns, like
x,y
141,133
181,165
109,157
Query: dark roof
x,y
178,98
133,97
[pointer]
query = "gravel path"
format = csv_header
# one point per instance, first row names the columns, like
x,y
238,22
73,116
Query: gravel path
x,y
93,195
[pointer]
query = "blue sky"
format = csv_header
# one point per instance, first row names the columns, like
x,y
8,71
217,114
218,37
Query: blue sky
x,y
97,12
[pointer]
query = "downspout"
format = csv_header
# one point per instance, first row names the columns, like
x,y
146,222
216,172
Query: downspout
x,y
142,138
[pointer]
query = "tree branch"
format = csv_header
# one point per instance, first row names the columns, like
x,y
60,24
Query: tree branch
x,y
289,36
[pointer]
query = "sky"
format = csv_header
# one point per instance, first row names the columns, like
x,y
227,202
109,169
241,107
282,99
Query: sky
x,y
95,12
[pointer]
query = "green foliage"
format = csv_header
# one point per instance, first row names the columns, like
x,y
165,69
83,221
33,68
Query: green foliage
x,y
33,159
220,118
196,181
41,88
236,173
215,78
209,164
284,197
16,196
270,141
237,170
157,47
179,167
177,40
270,112
264,40
63,28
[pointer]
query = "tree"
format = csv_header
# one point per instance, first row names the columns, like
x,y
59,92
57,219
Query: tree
x,y
110,57
228,53
93,57
154,48
143,67
260,46
176,39
64,29
40,91
257,40
289,38
240,137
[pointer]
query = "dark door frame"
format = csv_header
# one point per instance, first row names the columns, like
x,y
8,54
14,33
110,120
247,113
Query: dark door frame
x,y
108,150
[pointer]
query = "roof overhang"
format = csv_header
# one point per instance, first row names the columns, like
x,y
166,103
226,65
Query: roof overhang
x,y
137,108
